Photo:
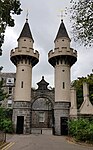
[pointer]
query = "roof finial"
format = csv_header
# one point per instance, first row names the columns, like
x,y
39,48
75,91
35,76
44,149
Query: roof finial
x,y
42,77
27,16
61,15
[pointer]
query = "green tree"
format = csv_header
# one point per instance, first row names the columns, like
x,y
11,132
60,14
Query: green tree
x,y
3,94
81,12
6,120
78,84
6,125
7,9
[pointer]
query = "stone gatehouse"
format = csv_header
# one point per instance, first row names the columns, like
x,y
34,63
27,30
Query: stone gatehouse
x,y
35,114
44,108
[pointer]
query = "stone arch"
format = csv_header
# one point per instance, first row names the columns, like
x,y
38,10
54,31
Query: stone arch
x,y
42,111
42,96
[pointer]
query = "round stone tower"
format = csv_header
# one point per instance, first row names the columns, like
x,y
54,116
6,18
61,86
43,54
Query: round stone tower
x,y
24,58
62,58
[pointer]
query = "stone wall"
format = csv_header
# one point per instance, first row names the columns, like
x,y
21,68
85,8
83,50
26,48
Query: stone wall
x,y
61,109
22,109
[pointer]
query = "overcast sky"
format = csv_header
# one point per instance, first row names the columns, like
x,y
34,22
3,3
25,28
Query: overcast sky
x,y
44,20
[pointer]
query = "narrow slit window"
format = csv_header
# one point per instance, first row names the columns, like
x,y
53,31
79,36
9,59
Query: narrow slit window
x,y
63,85
22,84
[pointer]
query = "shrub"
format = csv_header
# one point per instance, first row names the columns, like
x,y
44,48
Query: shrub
x,y
81,129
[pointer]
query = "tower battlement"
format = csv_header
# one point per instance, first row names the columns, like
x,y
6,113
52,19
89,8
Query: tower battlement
x,y
62,53
17,54
25,51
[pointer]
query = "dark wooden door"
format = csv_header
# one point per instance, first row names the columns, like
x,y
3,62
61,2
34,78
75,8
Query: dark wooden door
x,y
64,125
20,124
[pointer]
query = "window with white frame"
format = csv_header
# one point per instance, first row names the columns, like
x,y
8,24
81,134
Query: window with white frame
x,y
41,116
9,81
9,103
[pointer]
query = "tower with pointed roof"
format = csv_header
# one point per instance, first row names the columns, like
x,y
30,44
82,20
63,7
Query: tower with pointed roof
x,y
24,57
62,58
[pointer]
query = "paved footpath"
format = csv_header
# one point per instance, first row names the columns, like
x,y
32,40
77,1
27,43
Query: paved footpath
x,y
42,142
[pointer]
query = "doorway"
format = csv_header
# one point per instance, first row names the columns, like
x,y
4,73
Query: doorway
x,y
64,126
20,124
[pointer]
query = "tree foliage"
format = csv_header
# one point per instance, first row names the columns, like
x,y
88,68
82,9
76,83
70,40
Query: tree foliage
x,y
3,94
81,12
7,9
78,84
6,120
81,129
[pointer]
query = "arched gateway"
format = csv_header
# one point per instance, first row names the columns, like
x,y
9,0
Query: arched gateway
x,y
42,105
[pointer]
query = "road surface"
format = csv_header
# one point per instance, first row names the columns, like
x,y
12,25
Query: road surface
x,y
42,142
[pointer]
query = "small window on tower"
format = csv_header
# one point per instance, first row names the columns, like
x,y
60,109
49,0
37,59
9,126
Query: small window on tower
x,y
63,85
22,84
24,39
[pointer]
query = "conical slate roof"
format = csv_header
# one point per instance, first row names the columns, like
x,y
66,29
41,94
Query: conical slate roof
x,y
62,32
26,32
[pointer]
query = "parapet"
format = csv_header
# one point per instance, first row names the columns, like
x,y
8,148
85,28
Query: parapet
x,y
62,53
24,52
